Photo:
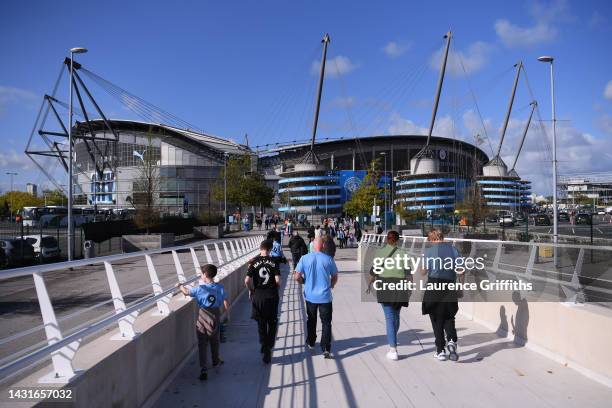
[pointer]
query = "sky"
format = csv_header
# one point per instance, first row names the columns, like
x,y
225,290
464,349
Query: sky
x,y
251,67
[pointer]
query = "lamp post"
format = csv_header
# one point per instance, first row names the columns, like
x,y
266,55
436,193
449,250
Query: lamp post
x,y
225,192
384,155
11,174
76,50
549,59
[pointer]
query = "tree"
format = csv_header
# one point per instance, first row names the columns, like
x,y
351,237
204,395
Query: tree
x,y
14,201
409,216
244,187
54,197
362,200
146,188
473,205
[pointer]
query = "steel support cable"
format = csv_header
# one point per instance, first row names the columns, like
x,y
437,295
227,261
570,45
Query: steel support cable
x,y
133,99
389,97
548,148
408,80
130,100
281,103
484,127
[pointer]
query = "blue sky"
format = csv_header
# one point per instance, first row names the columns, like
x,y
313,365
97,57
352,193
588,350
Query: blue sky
x,y
250,67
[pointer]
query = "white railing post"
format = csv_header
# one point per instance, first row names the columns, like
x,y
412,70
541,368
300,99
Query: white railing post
x,y
218,252
412,245
574,285
233,248
179,271
163,308
61,359
126,324
196,261
531,261
497,256
227,253
207,252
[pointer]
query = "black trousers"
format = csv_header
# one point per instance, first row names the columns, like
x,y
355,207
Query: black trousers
x,y
325,313
442,325
265,313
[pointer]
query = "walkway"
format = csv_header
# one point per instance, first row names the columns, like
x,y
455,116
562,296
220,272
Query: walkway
x,y
492,371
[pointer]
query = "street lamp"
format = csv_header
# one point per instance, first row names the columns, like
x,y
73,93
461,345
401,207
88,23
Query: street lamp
x,y
384,155
76,50
11,174
225,192
549,59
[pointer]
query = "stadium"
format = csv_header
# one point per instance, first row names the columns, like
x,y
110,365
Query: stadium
x,y
323,188
190,163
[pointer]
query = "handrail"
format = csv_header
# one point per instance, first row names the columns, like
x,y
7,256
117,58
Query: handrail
x,y
62,349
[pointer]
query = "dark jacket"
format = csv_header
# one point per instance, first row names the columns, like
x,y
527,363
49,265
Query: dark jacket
x,y
297,245
329,247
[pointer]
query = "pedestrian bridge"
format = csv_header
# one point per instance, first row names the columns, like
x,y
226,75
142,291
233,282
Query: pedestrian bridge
x,y
142,353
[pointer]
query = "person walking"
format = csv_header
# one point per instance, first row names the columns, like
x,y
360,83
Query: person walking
x,y
262,281
298,248
318,274
391,301
267,222
210,296
329,246
341,237
441,305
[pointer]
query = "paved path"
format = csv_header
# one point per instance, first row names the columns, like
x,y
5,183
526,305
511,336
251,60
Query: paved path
x,y
492,371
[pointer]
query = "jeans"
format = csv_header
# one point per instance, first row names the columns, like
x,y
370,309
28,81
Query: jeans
x,y
392,322
325,313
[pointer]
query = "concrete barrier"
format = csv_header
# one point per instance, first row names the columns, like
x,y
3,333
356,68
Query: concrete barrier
x,y
576,335
134,243
132,373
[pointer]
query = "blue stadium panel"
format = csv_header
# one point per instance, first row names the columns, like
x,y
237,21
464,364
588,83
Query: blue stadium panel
x,y
321,206
424,181
307,178
430,198
309,188
426,189
431,207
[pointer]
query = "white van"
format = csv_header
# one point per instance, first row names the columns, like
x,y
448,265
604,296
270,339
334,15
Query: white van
x,y
45,246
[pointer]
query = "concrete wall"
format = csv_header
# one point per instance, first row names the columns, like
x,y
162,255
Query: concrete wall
x,y
118,373
572,334
134,243
576,335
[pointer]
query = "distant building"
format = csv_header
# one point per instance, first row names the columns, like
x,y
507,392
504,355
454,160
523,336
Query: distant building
x,y
32,189
596,186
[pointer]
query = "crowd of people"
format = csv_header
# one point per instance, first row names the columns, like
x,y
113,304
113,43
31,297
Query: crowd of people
x,y
314,268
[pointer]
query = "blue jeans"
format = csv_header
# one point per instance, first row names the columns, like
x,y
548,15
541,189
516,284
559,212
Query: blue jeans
x,y
392,321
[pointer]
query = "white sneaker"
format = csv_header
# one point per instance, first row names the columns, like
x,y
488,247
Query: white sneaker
x,y
451,346
392,355
440,356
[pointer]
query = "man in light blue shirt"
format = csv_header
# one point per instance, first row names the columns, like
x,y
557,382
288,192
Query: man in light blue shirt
x,y
319,274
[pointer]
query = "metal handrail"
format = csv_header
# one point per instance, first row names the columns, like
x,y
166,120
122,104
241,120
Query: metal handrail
x,y
55,345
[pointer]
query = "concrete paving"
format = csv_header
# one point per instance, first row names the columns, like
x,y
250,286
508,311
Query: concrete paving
x,y
492,371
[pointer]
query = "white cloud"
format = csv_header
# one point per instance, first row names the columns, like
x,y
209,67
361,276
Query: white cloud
x,y
12,160
604,122
444,126
515,36
394,50
334,67
341,102
608,90
463,62
546,15
11,95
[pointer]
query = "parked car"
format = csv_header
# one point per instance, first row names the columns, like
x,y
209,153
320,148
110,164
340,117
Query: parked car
x,y
520,217
506,221
18,251
584,218
45,246
2,257
541,219
563,216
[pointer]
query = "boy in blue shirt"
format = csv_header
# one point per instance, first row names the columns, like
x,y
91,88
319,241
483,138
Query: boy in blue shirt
x,y
209,296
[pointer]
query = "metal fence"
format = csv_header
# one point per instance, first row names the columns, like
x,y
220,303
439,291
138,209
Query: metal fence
x,y
562,272
61,345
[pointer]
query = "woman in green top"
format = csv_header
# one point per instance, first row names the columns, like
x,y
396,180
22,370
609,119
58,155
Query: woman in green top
x,y
391,301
